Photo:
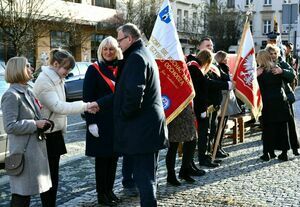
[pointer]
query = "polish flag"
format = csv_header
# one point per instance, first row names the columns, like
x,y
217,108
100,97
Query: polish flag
x,y
176,86
247,88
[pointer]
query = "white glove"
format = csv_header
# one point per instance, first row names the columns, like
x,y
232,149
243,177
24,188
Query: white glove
x,y
93,129
203,114
230,85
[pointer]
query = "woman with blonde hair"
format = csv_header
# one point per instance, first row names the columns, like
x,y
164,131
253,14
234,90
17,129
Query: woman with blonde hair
x,y
22,121
275,125
99,83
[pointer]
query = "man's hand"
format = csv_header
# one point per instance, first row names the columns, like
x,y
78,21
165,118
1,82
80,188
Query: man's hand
x,y
92,107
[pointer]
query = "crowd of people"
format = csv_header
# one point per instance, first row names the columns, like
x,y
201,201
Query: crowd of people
x,y
125,117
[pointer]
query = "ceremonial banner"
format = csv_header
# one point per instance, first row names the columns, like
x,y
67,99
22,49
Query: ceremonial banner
x,y
176,86
247,88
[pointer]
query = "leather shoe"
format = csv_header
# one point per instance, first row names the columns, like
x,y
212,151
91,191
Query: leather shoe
x,y
113,197
173,181
208,163
186,177
283,157
220,154
265,157
295,152
272,155
104,200
194,172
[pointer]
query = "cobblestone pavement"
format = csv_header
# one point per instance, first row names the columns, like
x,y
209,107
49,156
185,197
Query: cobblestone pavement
x,y
242,179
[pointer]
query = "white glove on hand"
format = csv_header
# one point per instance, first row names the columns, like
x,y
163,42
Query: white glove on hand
x,y
93,129
230,85
203,114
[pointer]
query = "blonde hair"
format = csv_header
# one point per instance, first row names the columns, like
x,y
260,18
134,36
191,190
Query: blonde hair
x,y
16,71
206,58
106,42
264,60
63,57
273,48
220,56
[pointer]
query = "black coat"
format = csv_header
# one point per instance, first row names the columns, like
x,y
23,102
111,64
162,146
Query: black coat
x,y
203,85
94,88
140,125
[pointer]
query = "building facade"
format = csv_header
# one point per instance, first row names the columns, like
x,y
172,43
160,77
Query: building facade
x,y
262,20
91,19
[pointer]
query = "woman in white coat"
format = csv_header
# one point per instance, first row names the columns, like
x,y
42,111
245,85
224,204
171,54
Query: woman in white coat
x,y
49,88
21,118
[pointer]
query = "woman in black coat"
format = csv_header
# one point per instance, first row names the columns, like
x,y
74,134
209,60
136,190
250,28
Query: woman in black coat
x,y
276,110
99,82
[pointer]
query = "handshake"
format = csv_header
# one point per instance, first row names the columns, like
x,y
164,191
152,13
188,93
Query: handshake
x,y
92,107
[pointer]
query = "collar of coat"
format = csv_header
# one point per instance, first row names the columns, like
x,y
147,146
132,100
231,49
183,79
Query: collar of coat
x,y
137,44
19,87
53,76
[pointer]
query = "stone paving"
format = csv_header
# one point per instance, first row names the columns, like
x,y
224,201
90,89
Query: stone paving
x,y
242,180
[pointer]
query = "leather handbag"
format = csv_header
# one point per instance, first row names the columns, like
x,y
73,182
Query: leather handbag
x,y
14,163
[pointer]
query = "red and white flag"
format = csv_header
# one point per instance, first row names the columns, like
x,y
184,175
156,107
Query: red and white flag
x,y
247,88
176,86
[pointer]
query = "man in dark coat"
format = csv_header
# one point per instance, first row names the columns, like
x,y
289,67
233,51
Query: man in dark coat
x,y
140,125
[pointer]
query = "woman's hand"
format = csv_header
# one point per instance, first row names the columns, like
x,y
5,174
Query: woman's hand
x,y
259,71
42,123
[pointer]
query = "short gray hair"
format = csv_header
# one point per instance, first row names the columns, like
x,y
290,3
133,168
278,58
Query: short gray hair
x,y
131,30
107,42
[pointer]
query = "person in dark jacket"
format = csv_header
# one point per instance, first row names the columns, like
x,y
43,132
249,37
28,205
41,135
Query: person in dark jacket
x,y
199,68
99,82
274,52
139,119
276,109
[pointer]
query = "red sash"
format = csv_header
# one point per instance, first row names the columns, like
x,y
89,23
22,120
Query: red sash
x,y
109,82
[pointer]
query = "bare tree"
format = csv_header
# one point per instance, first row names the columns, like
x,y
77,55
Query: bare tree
x,y
143,13
222,24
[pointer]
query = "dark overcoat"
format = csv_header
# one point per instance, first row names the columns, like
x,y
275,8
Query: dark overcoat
x,y
94,88
140,125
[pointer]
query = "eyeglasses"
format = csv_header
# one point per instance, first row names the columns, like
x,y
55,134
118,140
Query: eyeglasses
x,y
120,40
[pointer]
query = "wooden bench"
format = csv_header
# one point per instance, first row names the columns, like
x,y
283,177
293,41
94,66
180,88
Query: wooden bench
x,y
235,128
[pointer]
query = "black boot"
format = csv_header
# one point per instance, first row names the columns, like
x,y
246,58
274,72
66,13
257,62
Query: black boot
x,y
103,199
184,174
172,180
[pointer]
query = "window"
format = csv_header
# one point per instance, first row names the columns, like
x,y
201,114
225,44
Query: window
x,y
95,42
186,20
249,2
267,26
267,2
230,4
287,1
179,19
75,1
59,39
194,24
105,3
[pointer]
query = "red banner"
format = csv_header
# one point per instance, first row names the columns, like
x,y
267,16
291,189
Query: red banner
x,y
176,88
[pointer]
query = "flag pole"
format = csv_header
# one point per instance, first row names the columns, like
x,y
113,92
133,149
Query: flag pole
x,y
224,108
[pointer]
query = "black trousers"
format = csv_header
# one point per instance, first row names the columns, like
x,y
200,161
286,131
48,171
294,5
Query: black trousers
x,y
188,150
19,201
203,140
49,197
105,170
